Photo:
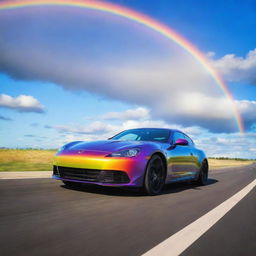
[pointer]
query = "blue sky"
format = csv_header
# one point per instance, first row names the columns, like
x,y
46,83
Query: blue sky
x,y
69,74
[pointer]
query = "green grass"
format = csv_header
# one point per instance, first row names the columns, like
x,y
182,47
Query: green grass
x,y
24,167
15,160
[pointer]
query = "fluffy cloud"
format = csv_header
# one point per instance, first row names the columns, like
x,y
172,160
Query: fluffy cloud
x,y
215,145
247,110
169,82
170,89
137,113
93,128
228,145
103,129
154,86
235,68
22,103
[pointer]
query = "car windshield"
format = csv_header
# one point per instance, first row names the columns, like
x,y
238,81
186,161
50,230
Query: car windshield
x,y
159,135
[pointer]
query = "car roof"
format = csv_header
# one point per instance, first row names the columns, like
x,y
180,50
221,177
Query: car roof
x,y
156,128
167,129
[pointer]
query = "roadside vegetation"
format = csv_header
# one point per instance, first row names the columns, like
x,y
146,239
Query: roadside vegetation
x,y
224,162
13,160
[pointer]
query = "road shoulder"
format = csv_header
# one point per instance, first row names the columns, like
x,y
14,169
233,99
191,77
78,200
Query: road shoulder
x,y
25,175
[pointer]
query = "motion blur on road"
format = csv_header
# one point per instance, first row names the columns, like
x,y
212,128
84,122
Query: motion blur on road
x,y
43,217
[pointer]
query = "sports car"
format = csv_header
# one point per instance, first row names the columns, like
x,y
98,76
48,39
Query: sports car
x,y
144,157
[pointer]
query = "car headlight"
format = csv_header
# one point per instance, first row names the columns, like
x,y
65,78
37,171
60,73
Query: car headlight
x,y
126,153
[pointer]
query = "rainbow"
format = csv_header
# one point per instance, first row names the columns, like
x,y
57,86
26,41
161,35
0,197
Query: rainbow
x,y
141,19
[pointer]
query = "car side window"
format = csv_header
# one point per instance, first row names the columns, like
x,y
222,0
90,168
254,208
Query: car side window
x,y
190,142
130,136
177,135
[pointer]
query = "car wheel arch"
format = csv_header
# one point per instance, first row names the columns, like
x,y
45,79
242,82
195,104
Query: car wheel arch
x,y
164,161
158,153
205,160
199,180
201,162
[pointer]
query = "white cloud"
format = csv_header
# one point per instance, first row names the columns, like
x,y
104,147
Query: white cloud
x,y
166,86
248,112
93,128
235,68
173,90
215,145
169,82
137,113
142,117
228,145
22,103
205,106
210,54
98,130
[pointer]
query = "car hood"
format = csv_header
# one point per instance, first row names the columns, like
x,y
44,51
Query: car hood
x,y
107,146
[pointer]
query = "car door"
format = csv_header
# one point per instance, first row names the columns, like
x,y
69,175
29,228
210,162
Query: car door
x,y
180,160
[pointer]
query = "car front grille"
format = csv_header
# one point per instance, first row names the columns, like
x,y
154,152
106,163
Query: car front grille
x,y
91,175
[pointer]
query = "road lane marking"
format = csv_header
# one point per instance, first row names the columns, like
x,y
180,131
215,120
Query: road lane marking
x,y
180,241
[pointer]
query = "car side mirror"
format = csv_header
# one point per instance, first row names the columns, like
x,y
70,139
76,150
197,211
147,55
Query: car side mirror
x,y
181,142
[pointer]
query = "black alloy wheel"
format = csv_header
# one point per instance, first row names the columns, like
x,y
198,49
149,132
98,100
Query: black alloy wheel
x,y
155,176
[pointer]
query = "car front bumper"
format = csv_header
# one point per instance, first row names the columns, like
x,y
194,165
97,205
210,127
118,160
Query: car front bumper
x,y
100,170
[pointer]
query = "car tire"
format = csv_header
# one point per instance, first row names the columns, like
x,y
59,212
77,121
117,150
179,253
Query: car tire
x,y
154,176
203,174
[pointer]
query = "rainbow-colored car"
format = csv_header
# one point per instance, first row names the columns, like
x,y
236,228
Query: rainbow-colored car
x,y
143,157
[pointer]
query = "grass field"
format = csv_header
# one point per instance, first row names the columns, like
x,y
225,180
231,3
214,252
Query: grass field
x,y
222,163
13,160
41,160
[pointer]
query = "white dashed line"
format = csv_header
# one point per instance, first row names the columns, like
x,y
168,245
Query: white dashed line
x,y
181,240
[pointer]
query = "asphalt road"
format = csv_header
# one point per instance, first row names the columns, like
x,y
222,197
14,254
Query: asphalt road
x,y
43,217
